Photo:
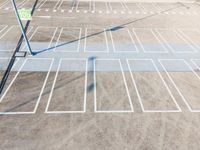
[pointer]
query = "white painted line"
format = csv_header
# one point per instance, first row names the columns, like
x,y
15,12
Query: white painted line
x,y
54,83
164,83
42,89
175,84
126,88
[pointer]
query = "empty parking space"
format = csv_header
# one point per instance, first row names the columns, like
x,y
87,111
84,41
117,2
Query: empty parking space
x,y
116,75
111,96
186,83
153,93
22,97
122,40
175,42
95,40
149,41
68,40
68,93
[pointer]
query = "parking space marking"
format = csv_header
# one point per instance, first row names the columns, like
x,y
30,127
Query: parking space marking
x,y
174,69
76,68
123,43
24,93
149,42
115,103
96,40
68,40
174,41
150,65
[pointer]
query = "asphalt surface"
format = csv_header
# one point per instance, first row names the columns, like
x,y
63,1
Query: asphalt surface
x,y
107,75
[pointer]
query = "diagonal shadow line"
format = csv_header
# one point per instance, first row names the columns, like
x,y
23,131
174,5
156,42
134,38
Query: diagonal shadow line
x,y
109,29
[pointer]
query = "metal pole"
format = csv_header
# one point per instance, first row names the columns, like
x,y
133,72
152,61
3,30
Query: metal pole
x,y
21,27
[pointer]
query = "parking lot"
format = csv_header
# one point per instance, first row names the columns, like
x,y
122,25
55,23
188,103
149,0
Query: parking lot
x,y
105,75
